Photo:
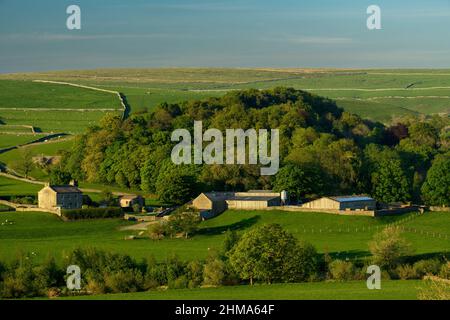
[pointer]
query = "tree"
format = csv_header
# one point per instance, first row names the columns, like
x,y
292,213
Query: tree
x,y
174,185
25,163
184,221
436,189
107,198
157,230
214,272
151,168
389,182
231,238
388,248
194,273
269,253
297,181
59,176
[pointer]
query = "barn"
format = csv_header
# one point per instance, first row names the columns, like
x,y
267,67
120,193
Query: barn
x,y
217,202
214,202
342,203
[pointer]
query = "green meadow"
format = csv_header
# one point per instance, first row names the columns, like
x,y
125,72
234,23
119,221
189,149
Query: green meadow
x,y
10,187
49,148
353,290
341,236
377,94
69,122
11,140
53,108
28,94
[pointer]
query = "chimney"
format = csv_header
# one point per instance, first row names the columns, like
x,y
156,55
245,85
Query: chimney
x,y
74,183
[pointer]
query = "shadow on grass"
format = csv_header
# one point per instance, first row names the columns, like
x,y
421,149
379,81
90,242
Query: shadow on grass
x,y
361,255
443,256
351,254
237,226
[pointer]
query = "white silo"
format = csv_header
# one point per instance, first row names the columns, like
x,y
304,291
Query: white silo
x,y
284,197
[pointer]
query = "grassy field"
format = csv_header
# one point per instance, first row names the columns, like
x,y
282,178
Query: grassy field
x,y
45,234
355,290
27,94
376,94
70,122
46,106
50,148
9,187
380,95
11,140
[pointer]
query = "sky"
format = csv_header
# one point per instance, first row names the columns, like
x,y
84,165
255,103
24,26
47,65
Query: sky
x,y
223,33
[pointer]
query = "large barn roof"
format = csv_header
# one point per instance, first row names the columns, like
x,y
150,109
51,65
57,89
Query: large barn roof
x,y
219,196
242,196
252,198
351,198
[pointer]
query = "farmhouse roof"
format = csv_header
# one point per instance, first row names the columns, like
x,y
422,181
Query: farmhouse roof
x,y
65,189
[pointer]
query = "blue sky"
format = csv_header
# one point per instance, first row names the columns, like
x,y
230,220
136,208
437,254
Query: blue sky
x,y
223,33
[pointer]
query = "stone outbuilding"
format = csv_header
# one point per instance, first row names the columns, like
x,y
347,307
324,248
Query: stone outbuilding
x,y
128,201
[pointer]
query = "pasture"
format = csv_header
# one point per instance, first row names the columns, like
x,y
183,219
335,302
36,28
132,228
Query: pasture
x,y
53,108
34,95
50,148
69,122
11,140
341,236
353,290
10,187
377,94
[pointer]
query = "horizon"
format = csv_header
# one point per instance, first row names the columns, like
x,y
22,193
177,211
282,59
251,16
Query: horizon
x,y
268,69
235,34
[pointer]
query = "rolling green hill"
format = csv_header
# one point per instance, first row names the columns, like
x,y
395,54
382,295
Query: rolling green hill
x,y
28,94
53,108
397,92
341,236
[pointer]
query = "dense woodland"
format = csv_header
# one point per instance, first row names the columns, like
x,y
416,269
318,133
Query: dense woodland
x,y
324,150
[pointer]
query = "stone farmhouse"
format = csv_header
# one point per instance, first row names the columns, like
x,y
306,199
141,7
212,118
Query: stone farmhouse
x,y
53,197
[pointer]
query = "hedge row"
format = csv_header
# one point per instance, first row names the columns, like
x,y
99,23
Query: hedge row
x,y
92,213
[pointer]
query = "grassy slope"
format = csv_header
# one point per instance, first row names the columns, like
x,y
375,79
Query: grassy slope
x,y
50,148
355,290
9,187
71,122
46,234
27,94
145,88
11,140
